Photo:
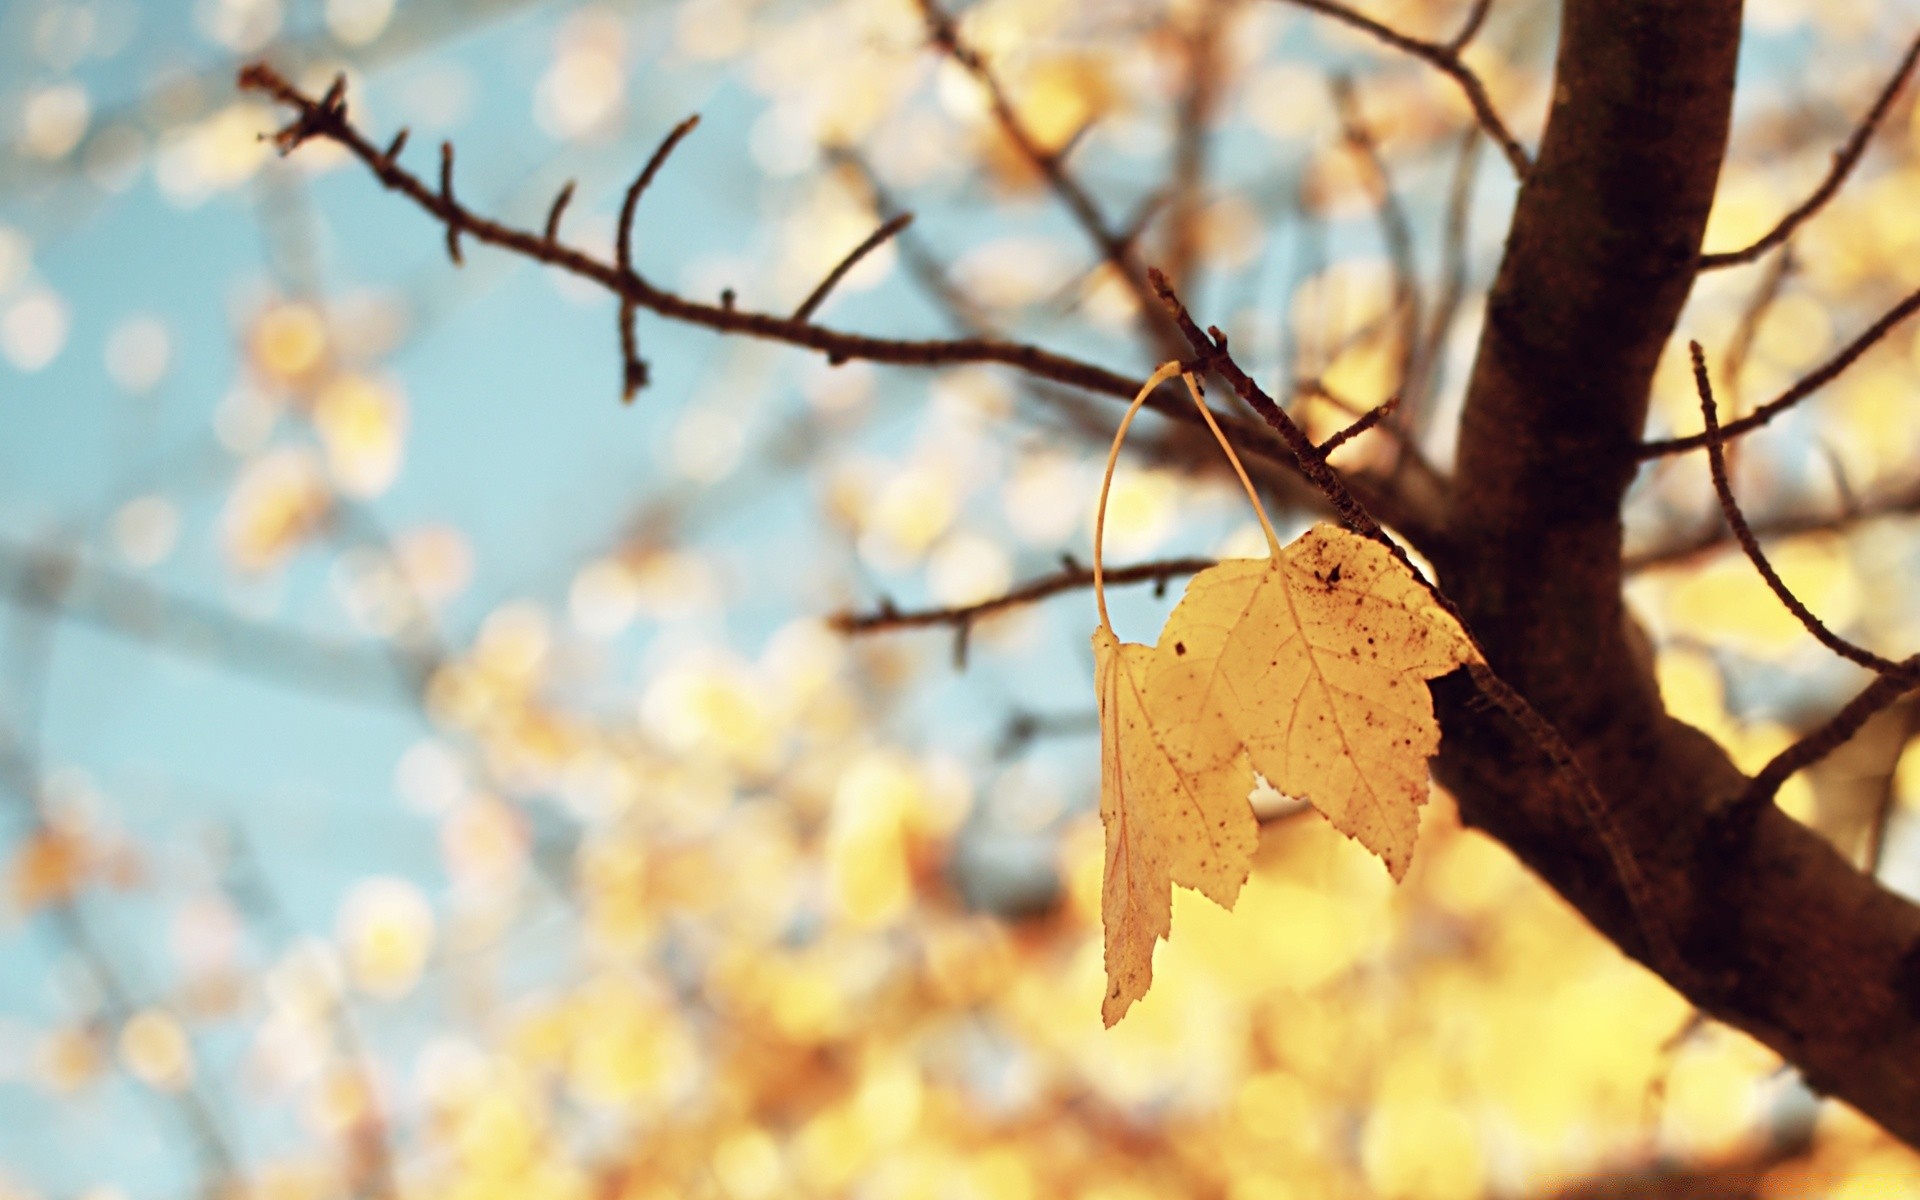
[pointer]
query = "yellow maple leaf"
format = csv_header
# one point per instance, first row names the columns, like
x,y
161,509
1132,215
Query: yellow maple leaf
x,y
1308,666
1173,800
1318,658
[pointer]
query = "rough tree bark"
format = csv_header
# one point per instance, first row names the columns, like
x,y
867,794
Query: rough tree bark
x,y
1778,935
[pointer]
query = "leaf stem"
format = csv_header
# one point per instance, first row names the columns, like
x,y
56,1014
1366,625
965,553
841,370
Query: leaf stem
x,y
1206,414
1165,371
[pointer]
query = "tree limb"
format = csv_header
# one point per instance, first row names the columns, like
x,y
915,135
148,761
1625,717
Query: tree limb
x,y
1844,160
1444,57
1783,937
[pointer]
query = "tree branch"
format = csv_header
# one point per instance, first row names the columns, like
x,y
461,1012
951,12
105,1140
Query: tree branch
x,y
874,241
312,119
1737,521
1070,577
1446,59
1844,160
1820,377
633,370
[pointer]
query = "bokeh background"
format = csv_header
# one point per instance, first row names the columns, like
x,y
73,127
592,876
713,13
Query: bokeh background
x,y
426,776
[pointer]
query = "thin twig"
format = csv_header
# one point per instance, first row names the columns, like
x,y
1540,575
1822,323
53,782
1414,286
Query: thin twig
x,y
633,369
922,264
874,241
1837,731
1366,421
1470,28
1737,521
1446,59
630,204
446,198
560,201
1069,578
1844,160
1807,386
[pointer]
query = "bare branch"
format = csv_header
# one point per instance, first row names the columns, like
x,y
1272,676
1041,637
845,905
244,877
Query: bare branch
x,y
1470,28
1844,160
630,204
1366,421
1737,521
1444,58
1837,731
560,201
633,369
1807,386
727,318
874,241
1070,577
446,198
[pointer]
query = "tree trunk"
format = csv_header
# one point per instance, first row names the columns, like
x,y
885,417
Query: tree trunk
x,y
1777,934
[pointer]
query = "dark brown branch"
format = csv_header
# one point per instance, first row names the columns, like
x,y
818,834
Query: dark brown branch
x,y
630,204
560,201
874,241
1837,731
1445,59
926,269
398,144
633,368
1416,523
1807,386
446,198
1844,160
1737,521
1470,28
1367,420
1786,940
1069,578
1211,348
